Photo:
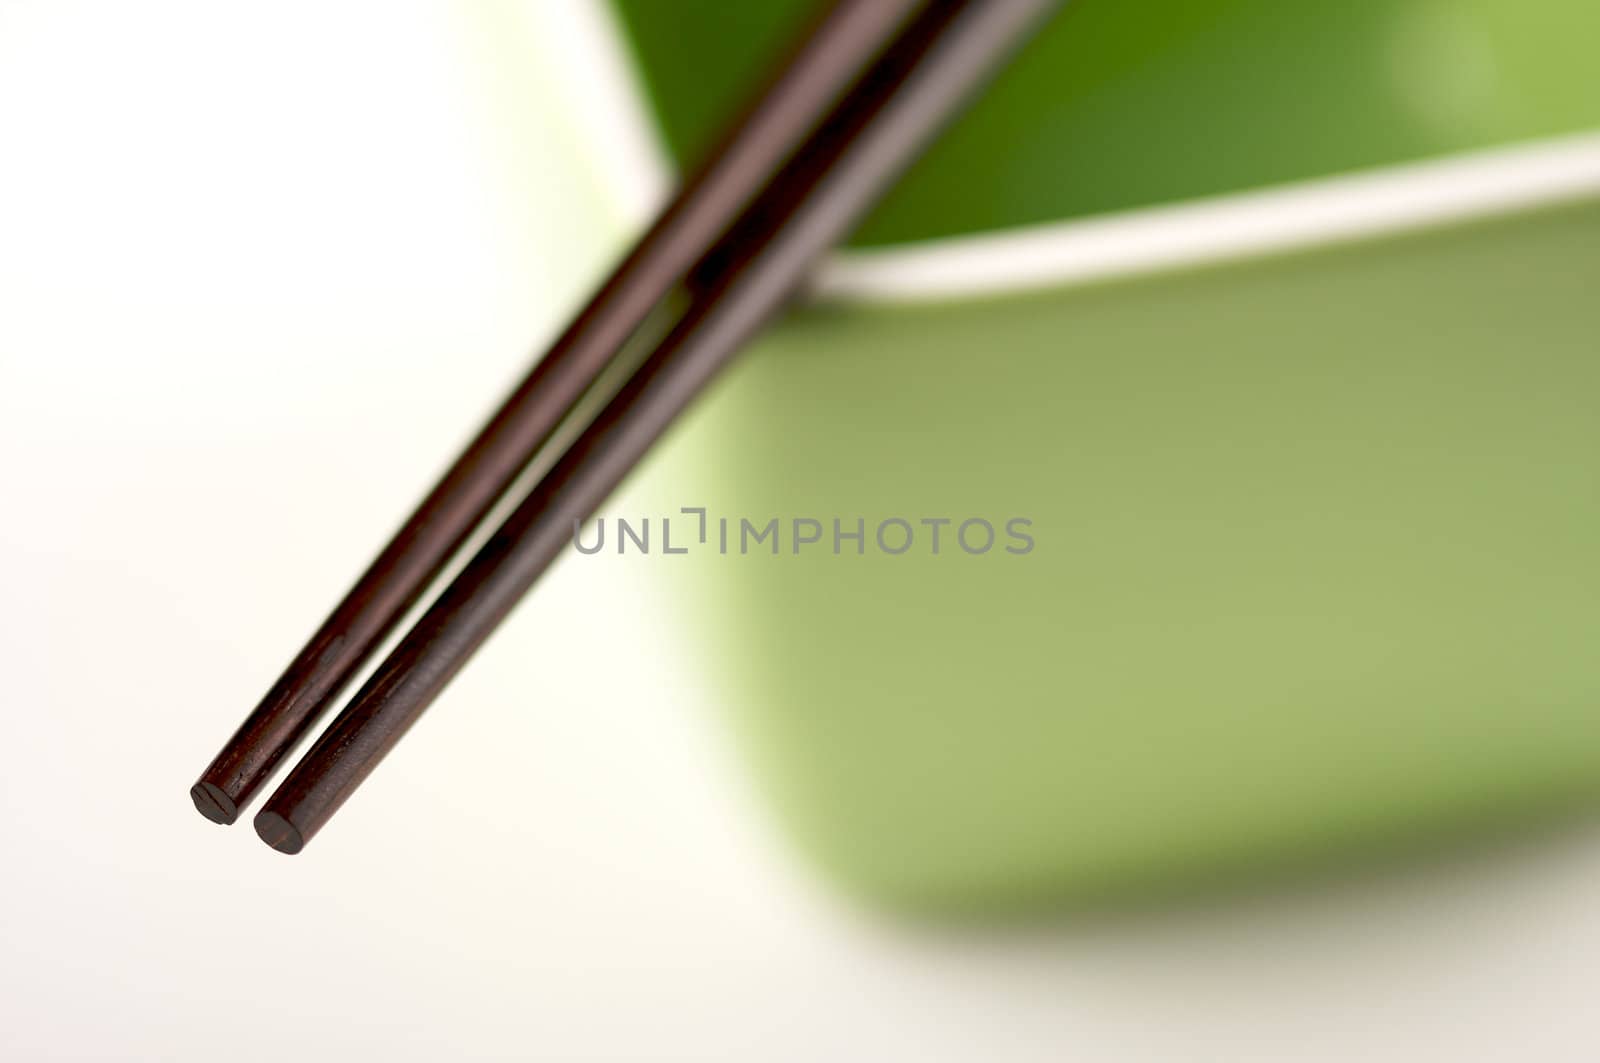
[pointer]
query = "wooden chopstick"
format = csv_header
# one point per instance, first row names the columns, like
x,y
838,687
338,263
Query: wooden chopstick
x,y
831,58
935,62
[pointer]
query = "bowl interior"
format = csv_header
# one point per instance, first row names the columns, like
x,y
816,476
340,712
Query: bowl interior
x,y
1119,105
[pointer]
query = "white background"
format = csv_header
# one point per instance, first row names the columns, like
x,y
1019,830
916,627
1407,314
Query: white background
x,y
261,269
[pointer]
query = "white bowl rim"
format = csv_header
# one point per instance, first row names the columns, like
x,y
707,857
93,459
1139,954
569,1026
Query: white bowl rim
x,y
606,100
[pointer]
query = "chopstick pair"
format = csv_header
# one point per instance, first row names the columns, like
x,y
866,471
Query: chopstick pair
x,y
864,92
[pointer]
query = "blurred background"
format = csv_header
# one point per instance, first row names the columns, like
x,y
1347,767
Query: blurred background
x,y
261,271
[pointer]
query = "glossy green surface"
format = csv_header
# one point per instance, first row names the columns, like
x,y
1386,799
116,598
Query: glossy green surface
x,y
1121,104
1315,566
1315,535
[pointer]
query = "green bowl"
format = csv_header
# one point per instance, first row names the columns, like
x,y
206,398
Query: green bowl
x,y
1291,477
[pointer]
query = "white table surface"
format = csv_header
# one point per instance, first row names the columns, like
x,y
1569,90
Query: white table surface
x,y
261,268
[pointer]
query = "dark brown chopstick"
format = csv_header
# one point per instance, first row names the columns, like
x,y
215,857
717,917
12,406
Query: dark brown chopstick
x,y
845,40
935,63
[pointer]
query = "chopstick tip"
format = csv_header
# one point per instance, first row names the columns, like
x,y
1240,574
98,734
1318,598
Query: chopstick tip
x,y
212,803
278,832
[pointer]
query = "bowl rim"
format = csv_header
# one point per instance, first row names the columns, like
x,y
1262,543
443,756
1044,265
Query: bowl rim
x,y
603,98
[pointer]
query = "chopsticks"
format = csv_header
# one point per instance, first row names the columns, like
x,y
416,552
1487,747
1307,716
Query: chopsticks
x,y
833,55
902,86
